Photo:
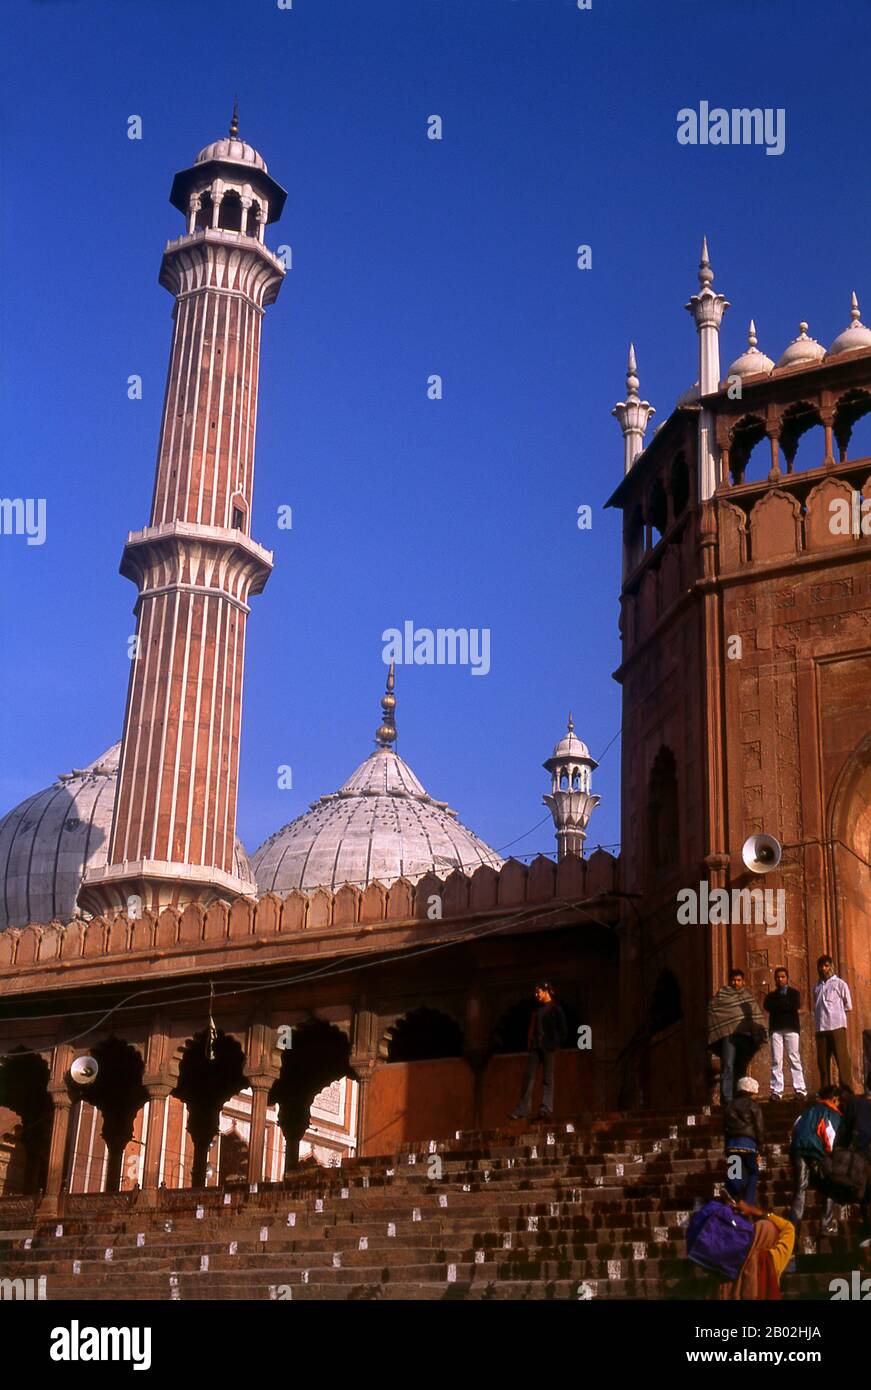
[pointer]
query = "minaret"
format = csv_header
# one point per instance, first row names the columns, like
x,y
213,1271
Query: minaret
x,y
195,565
633,415
707,308
571,802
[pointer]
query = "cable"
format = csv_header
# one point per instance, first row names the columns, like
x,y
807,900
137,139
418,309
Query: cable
x,y
331,969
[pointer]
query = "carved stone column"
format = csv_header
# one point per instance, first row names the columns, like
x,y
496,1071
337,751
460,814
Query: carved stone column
x,y
158,1089
257,1136
363,1069
57,1152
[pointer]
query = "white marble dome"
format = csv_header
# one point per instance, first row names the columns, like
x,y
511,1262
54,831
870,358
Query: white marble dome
x,y
235,150
381,824
854,336
752,361
570,746
49,840
802,350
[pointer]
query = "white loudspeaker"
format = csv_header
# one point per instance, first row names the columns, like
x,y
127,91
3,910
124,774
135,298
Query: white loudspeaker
x,y
84,1070
761,853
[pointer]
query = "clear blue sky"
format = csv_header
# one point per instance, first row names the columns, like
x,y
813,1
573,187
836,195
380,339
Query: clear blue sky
x,y
411,257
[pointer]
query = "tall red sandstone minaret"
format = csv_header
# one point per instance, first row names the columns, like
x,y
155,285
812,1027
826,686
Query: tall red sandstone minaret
x,y
174,826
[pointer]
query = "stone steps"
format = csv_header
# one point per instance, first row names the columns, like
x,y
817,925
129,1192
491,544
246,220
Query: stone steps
x,y
599,1211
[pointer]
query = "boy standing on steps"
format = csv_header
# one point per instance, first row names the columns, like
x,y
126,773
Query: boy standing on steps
x,y
547,1034
782,1006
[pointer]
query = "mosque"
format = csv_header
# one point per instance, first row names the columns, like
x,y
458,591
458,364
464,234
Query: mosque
x,y
364,977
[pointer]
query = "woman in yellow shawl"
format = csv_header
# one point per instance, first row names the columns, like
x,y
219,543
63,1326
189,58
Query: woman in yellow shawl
x,y
769,1254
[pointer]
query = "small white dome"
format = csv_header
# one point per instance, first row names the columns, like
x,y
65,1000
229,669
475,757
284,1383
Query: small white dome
x,y
854,336
752,361
802,350
236,151
570,746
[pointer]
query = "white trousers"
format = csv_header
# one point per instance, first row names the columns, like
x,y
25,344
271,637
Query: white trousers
x,y
778,1042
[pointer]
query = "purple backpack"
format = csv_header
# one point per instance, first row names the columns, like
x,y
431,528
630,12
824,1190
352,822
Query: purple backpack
x,y
719,1238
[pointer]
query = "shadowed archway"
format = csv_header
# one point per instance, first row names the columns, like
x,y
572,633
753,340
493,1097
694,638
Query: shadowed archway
x,y
319,1053
207,1078
23,1090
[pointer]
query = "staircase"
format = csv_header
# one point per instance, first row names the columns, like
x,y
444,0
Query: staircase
x,y
596,1208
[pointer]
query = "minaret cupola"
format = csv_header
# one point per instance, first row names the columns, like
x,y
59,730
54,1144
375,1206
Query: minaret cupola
x,y
228,188
571,801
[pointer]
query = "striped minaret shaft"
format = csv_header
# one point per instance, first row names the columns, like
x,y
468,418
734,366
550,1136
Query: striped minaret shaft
x,y
174,827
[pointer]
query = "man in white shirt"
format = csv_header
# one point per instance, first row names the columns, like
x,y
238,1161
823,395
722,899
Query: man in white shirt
x,y
832,1003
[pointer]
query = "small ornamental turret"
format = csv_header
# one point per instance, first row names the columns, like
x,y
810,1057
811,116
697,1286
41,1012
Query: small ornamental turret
x,y
571,802
633,414
707,308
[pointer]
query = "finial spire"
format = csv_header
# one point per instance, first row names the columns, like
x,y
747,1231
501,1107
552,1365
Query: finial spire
x,y
751,335
632,414
234,121
707,308
571,723
706,274
385,734
854,310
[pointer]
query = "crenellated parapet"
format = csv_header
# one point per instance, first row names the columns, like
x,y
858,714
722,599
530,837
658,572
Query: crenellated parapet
x,y
427,903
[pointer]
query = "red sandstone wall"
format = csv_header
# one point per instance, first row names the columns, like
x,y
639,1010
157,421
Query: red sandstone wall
x,y
431,1100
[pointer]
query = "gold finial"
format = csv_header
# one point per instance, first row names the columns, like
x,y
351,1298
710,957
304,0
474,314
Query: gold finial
x,y
385,734
234,123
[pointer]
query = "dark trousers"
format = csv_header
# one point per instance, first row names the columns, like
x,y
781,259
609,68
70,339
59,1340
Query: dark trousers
x,y
834,1044
802,1175
537,1055
745,1184
735,1054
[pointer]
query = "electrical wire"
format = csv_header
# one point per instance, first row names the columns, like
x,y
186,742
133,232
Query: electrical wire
x,y
329,970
